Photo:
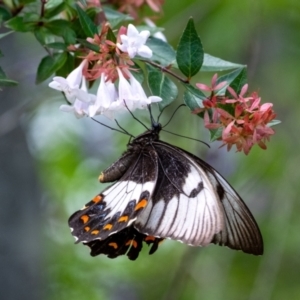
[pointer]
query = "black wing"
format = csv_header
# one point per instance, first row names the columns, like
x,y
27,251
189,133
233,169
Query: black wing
x,y
194,193
118,206
128,241
185,205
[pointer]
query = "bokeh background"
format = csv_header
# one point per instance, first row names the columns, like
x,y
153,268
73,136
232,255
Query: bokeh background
x,y
50,161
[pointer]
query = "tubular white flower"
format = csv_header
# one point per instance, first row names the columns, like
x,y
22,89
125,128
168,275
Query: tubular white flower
x,y
106,95
70,85
134,42
139,96
80,108
125,94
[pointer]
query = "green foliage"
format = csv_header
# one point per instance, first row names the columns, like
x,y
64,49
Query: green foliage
x,y
193,97
162,86
163,53
189,55
5,81
87,24
49,65
216,64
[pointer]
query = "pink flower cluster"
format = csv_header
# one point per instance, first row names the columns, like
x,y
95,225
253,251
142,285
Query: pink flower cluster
x,y
242,119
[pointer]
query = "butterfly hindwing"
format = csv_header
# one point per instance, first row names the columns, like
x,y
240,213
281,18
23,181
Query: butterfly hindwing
x,y
128,241
118,205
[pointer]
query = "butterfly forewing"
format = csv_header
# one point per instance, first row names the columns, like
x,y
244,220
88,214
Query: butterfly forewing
x,y
241,231
185,206
120,204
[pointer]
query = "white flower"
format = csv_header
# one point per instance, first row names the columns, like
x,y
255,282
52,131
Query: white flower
x,y
70,86
106,95
75,89
80,108
140,99
132,94
134,42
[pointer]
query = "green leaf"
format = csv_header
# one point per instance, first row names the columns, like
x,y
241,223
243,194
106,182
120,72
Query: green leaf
x,y
193,97
56,45
111,36
88,26
215,64
191,101
5,81
138,73
162,86
236,79
190,52
18,24
163,53
31,17
42,34
62,28
274,123
114,17
239,80
195,91
5,14
49,65
67,67
54,10
87,44
2,35
215,134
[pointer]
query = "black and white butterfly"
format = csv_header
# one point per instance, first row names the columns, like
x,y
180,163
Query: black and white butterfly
x,y
161,191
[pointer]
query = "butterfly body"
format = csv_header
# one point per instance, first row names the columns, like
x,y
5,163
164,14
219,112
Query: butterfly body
x,y
161,191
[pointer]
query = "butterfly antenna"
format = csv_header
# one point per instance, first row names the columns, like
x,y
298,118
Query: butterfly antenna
x,y
125,131
161,113
186,137
134,117
115,129
181,105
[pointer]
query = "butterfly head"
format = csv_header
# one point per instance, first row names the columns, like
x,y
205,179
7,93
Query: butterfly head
x,y
156,127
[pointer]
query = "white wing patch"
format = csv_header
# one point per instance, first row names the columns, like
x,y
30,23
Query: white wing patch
x,y
119,195
192,220
121,204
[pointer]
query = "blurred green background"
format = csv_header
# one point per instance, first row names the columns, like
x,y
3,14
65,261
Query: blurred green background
x,y
49,164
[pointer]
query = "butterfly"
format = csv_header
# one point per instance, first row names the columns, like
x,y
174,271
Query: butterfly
x,y
159,192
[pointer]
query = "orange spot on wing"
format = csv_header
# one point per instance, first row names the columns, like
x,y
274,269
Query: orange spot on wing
x,y
114,245
95,232
123,219
108,227
133,242
97,199
141,204
87,228
84,218
149,238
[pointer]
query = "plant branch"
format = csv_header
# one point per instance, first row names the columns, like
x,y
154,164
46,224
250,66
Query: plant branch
x,y
166,70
